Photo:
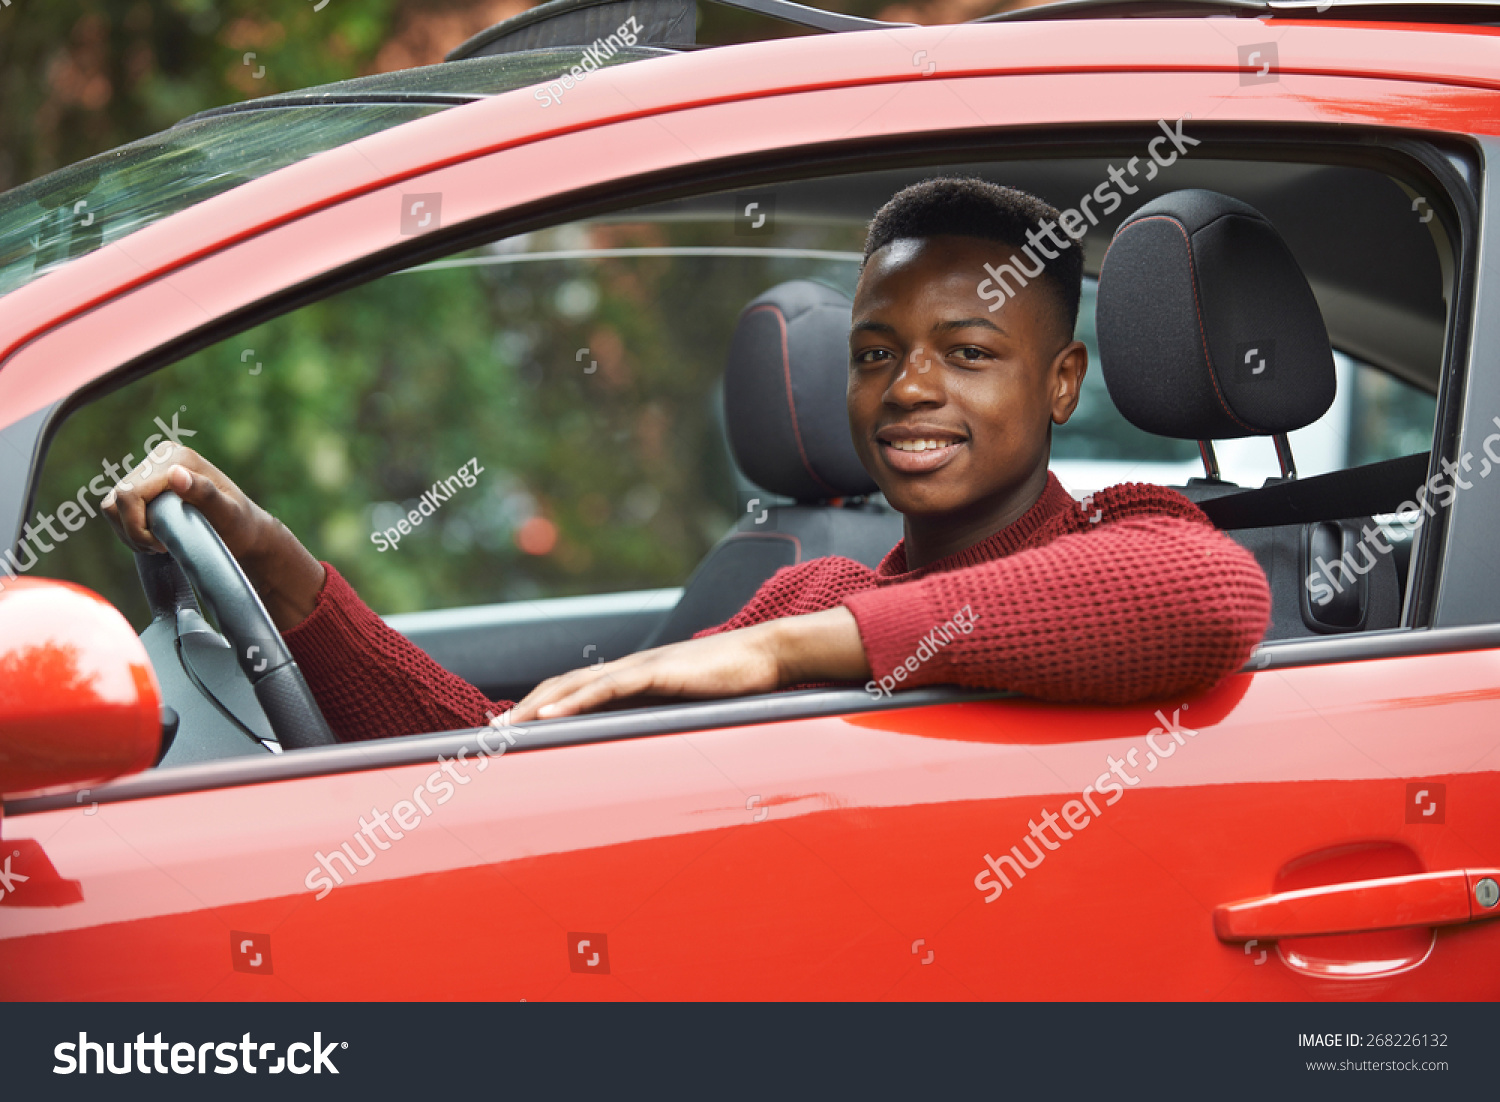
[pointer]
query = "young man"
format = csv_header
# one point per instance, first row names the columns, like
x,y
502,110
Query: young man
x,y
1001,581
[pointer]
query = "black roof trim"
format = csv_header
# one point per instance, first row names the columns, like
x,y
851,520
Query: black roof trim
x,y
1134,9
326,99
804,16
447,84
1474,12
672,24
668,23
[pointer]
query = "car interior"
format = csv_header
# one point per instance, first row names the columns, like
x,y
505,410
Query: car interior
x,y
691,363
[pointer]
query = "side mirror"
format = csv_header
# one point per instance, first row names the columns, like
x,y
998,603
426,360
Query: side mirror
x,y
79,702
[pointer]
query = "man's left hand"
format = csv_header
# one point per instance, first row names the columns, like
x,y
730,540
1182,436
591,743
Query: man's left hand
x,y
823,646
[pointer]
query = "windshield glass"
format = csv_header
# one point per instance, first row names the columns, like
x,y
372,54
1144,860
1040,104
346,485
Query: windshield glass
x,y
72,212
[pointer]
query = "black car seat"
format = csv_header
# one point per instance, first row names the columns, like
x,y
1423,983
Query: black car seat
x,y
784,405
1208,330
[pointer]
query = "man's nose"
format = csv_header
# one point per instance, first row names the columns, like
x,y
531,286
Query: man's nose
x,y
919,381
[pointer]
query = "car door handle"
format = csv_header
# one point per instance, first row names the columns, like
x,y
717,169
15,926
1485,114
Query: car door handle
x,y
1387,903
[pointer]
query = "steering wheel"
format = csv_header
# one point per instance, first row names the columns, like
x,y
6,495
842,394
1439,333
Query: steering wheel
x,y
261,653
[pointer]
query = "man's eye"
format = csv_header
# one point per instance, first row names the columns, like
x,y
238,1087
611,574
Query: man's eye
x,y
971,353
871,355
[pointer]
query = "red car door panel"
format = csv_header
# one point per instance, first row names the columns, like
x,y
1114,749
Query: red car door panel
x,y
818,858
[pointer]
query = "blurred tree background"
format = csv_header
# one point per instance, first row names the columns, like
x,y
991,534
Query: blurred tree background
x,y
78,77
339,415
584,388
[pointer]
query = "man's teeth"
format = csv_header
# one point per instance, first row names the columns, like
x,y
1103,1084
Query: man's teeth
x,y
920,445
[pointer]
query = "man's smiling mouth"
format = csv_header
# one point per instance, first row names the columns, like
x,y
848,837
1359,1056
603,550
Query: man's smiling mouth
x,y
918,450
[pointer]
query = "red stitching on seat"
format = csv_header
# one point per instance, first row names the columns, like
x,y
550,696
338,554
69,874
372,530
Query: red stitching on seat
x,y
791,404
1197,308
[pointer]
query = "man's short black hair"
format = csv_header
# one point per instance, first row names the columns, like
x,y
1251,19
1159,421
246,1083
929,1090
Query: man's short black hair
x,y
965,206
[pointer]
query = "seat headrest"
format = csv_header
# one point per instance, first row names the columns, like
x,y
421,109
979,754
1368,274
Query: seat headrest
x,y
784,394
1207,327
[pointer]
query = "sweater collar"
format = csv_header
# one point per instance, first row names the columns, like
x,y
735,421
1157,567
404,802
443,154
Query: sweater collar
x,y
1011,538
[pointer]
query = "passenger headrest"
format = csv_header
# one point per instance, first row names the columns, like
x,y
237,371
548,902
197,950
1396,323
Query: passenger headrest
x,y
1207,327
784,394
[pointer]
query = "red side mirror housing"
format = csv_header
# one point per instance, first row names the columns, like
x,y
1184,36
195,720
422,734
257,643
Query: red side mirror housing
x,y
79,702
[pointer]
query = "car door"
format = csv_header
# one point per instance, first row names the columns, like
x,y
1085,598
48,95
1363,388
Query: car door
x,y
819,846
844,856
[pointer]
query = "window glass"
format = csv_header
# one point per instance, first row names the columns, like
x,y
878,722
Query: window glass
x,y
571,375
1097,442
86,206
75,210
1387,417
544,413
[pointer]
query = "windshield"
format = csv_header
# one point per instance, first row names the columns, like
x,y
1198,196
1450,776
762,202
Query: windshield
x,y
72,212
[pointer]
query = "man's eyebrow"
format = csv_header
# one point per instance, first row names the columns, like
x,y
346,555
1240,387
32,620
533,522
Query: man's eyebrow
x,y
966,323
872,327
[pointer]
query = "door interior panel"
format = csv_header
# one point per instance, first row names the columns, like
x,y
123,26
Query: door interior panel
x,y
506,649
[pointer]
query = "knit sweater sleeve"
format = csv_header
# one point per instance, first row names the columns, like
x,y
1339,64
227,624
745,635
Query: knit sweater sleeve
x,y
373,682
812,586
1145,607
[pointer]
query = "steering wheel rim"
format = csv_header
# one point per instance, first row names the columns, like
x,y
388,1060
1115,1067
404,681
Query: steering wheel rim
x,y
259,649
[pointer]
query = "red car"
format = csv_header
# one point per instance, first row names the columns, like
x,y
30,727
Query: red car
x,y
472,331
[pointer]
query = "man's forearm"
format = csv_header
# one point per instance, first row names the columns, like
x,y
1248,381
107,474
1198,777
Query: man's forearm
x,y
820,646
287,577
1141,608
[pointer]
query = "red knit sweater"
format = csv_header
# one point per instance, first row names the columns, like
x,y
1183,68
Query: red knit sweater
x,y
1141,599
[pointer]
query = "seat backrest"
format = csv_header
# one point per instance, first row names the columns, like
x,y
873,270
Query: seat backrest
x,y
785,381
1209,330
1289,553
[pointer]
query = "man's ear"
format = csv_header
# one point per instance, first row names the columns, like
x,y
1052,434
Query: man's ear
x,y
1069,367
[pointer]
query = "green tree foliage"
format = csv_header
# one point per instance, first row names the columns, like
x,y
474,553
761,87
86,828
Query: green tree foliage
x,y
604,470
78,77
586,390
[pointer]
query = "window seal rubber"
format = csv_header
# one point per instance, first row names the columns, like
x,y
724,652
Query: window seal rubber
x,y
358,757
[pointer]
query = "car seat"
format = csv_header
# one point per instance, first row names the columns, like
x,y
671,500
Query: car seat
x,y
1208,330
785,380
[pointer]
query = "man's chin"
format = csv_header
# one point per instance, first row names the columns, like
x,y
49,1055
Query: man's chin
x,y
924,502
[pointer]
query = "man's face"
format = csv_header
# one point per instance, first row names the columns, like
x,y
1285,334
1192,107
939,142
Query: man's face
x,y
950,405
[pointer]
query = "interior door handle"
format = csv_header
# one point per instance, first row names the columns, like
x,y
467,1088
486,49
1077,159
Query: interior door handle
x,y
1388,903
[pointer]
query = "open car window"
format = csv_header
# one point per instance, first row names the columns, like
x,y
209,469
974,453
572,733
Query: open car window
x,y
549,405
517,453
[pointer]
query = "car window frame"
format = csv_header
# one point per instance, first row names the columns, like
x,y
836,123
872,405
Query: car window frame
x,y
546,734
1464,592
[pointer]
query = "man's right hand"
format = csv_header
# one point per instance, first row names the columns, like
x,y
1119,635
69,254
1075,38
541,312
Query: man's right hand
x,y
284,573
